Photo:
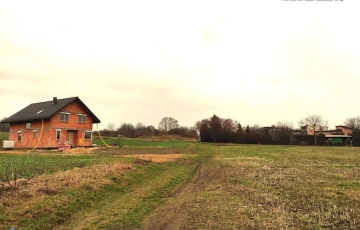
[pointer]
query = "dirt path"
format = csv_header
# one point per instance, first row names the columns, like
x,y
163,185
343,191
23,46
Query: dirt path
x,y
187,208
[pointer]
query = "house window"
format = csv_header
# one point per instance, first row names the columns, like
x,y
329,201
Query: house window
x,y
81,118
19,134
58,134
87,135
28,125
35,133
64,116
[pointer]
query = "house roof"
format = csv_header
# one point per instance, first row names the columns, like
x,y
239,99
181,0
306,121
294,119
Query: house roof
x,y
344,126
44,110
334,136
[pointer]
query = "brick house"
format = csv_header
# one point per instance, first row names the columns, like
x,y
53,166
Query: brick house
x,y
309,130
67,119
342,130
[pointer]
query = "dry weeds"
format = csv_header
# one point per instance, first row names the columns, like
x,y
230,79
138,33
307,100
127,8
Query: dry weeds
x,y
92,177
249,191
155,157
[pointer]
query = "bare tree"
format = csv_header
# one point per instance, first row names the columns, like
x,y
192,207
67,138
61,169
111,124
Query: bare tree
x,y
281,132
256,127
284,124
110,127
127,129
229,124
140,126
140,129
353,122
315,121
167,124
151,130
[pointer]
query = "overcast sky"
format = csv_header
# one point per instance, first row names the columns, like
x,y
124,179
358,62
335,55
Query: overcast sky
x,y
255,61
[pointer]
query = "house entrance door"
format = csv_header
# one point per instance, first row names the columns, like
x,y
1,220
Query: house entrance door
x,y
70,136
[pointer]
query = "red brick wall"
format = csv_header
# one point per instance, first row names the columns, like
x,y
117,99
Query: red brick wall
x,y
48,136
28,140
345,130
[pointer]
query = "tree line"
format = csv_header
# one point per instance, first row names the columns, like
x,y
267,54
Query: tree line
x,y
167,126
216,129
226,130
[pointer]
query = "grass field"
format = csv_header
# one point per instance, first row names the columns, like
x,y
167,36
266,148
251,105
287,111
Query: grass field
x,y
38,164
138,142
133,142
211,186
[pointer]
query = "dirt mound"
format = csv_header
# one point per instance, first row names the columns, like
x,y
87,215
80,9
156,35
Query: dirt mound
x,y
79,150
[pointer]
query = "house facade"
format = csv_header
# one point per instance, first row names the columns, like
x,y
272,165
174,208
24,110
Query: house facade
x,y
47,124
342,129
309,130
339,130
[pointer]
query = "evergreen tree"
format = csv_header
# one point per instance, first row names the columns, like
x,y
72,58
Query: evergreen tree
x,y
204,133
239,130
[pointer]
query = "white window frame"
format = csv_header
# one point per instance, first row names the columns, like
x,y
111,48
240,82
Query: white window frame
x,y
80,115
19,136
35,133
64,113
87,131
56,134
27,125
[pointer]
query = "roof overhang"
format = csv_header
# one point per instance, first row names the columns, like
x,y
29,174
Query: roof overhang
x,y
337,136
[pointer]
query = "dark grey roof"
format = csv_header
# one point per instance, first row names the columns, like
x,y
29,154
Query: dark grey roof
x,y
44,110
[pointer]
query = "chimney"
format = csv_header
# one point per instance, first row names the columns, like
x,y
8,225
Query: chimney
x,y
54,100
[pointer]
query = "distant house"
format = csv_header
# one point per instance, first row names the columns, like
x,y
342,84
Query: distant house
x,y
341,135
58,120
341,130
309,130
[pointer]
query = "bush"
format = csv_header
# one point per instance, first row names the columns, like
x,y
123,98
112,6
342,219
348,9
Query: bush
x,y
356,137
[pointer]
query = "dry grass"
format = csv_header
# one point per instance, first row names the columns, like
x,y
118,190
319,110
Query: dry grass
x,y
24,200
139,151
92,177
12,151
294,191
155,157
97,175
234,187
265,187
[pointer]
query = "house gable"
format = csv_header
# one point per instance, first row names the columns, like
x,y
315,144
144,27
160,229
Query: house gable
x,y
72,111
